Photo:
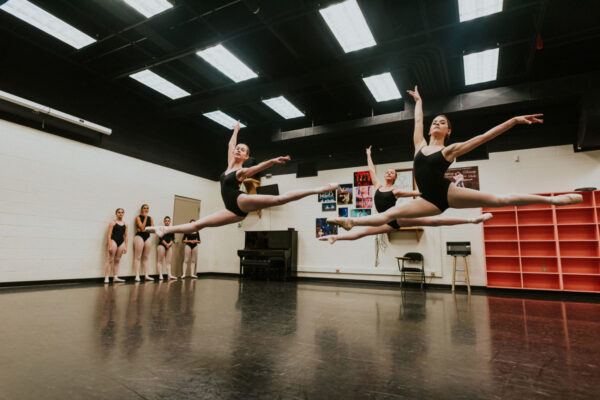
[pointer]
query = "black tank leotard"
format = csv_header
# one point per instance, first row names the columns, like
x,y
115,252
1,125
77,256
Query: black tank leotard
x,y
429,174
144,235
191,236
167,238
118,234
230,191
385,201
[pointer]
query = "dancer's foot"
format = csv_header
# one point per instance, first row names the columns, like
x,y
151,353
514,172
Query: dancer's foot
x,y
193,277
346,223
137,278
148,278
117,279
172,277
182,277
160,278
328,188
331,238
565,199
159,230
482,218
106,280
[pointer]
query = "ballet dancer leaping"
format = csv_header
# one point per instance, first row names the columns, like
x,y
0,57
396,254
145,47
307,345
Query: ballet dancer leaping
x,y
237,203
385,198
437,193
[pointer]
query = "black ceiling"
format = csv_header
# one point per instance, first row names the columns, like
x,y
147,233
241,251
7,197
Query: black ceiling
x,y
288,44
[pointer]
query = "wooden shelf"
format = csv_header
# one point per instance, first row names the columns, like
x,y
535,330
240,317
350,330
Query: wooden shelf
x,y
545,247
418,230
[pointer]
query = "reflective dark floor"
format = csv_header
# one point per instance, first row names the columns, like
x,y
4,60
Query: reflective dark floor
x,y
221,339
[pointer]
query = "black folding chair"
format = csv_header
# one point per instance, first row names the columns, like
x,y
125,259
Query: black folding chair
x,y
415,267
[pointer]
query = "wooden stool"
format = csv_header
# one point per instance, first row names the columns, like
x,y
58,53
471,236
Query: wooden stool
x,y
466,270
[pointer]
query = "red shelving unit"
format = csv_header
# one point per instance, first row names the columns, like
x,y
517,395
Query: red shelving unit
x,y
545,247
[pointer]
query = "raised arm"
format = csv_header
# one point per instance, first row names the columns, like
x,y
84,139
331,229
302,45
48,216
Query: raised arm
x,y
418,138
458,149
372,169
244,173
232,144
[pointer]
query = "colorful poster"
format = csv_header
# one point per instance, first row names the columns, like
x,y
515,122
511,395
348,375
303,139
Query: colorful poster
x,y
343,212
344,194
328,206
327,196
467,177
324,229
364,196
361,212
362,178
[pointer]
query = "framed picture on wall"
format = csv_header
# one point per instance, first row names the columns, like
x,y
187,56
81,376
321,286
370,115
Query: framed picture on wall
x,y
405,180
324,229
344,194
362,178
328,206
364,196
466,177
343,212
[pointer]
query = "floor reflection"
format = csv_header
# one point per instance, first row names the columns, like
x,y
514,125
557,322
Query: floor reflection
x,y
226,339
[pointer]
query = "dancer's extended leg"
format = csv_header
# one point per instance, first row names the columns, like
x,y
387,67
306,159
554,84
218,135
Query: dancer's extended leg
x,y
219,218
249,203
469,198
371,230
411,209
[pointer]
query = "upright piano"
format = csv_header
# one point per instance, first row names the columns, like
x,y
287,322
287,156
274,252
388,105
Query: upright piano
x,y
269,254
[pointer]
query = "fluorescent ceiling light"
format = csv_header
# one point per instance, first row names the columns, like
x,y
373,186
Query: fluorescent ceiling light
x,y
348,25
148,8
481,67
471,9
41,109
159,84
223,119
382,87
47,22
283,107
223,60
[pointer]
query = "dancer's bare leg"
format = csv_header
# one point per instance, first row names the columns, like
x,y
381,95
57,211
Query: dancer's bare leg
x,y
187,254
116,261
112,250
160,260
371,230
168,256
249,203
145,257
433,221
194,261
219,218
138,249
469,198
411,209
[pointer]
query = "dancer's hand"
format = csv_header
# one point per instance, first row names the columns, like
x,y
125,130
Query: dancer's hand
x,y
125,250
529,119
236,127
281,160
415,94
369,150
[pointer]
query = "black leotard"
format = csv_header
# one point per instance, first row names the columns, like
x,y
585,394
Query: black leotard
x,y
230,191
191,236
429,174
118,234
169,237
385,201
145,235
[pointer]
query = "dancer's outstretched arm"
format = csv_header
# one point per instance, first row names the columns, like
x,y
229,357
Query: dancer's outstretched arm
x,y
372,169
244,173
458,149
406,193
232,144
418,138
